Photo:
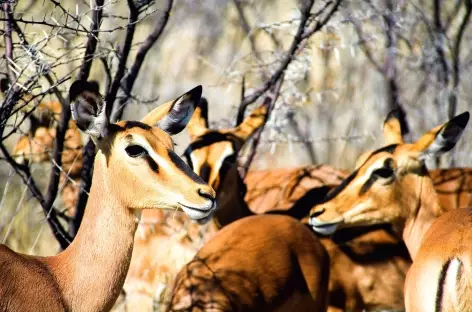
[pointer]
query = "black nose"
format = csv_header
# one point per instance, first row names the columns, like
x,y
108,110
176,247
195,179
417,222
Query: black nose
x,y
205,194
317,213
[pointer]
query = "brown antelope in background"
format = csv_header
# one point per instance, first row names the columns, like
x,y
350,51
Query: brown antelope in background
x,y
38,143
146,274
258,263
392,186
135,168
374,281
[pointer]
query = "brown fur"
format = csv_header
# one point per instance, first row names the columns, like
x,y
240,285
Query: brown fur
x,y
259,263
146,275
89,274
409,201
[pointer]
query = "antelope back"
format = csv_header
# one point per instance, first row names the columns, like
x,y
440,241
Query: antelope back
x,y
389,182
211,152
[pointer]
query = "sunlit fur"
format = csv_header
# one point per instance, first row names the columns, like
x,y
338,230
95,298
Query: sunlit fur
x,y
211,149
437,239
258,263
89,274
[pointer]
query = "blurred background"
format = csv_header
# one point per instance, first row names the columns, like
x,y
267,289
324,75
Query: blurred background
x,y
354,62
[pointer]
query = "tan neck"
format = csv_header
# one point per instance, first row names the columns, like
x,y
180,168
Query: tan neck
x,y
423,211
92,270
231,204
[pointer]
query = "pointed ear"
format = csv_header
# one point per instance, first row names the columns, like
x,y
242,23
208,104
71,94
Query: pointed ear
x,y
395,127
173,116
441,139
253,122
198,124
88,108
4,85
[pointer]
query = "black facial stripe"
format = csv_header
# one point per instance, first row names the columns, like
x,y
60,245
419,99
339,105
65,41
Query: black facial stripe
x,y
214,137
131,124
205,171
373,177
368,184
335,192
179,163
152,164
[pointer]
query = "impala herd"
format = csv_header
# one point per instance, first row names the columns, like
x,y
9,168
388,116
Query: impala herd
x,y
389,236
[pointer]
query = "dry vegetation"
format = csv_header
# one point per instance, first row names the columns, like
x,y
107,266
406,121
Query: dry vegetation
x,y
371,56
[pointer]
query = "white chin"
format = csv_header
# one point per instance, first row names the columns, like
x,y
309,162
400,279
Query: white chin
x,y
196,214
325,229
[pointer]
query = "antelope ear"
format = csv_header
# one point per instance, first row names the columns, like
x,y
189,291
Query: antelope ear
x,y
395,127
198,124
443,138
4,85
253,122
88,108
173,116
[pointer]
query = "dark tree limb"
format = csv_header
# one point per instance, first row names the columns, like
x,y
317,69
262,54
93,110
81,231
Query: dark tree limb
x,y
247,29
305,9
442,72
269,101
92,41
456,60
241,108
130,78
88,151
12,97
302,34
123,55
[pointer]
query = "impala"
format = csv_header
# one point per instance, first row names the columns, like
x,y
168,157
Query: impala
x,y
146,275
135,168
393,186
37,144
259,263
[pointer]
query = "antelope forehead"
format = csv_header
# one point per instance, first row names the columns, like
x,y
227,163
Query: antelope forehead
x,y
377,164
225,152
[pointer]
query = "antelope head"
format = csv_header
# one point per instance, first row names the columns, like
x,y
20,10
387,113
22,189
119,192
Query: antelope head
x,y
212,153
142,154
389,184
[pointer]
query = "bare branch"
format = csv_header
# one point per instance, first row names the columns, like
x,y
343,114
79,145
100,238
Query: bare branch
x,y
241,108
130,78
270,102
289,56
456,59
442,72
22,170
247,29
92,41
123,55
320,23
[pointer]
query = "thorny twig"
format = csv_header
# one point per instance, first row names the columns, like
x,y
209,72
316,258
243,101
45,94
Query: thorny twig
x,y
130,78
23,170
269,101
123,55
301,34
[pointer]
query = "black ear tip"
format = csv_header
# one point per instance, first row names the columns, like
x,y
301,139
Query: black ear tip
x,y
94,86
203,104
399,114
196,92
80,86
462,119
4,84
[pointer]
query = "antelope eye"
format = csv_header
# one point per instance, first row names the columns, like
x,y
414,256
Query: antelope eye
x,y
135,151
384,172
